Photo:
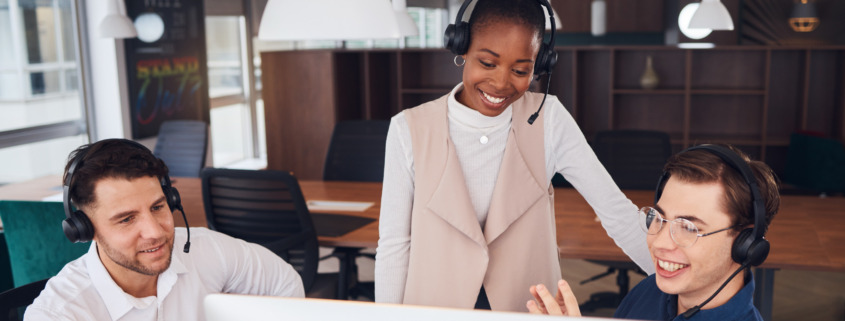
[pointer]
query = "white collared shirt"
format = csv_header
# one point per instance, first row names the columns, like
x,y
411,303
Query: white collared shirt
x,y
217,263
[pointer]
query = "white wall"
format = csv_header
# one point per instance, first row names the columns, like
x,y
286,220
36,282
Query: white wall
x,y
108,79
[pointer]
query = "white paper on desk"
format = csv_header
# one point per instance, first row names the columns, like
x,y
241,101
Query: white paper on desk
x,y
54,198
338,206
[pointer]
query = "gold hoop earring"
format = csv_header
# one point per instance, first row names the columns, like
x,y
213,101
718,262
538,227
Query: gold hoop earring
x,y
455,60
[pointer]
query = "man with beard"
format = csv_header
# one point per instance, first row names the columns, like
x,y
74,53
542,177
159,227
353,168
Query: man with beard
x,y
125,206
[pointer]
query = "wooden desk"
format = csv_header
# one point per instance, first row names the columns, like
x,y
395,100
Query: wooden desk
x,y
190,190
807,234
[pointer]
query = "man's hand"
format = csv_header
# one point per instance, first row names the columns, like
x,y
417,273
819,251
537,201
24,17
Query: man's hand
x,y
564,303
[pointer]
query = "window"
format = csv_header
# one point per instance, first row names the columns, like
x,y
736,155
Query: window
x,y
41,101
234,118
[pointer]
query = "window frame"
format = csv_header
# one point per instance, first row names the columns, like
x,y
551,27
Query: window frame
x,y
39,133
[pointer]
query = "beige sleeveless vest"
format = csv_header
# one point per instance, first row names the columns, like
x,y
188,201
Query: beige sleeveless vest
x,y
451,258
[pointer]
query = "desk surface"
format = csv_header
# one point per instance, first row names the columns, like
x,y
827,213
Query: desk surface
x,y
807,234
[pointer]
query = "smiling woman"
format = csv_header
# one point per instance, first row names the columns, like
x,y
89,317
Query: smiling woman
x,y
467,199
499,67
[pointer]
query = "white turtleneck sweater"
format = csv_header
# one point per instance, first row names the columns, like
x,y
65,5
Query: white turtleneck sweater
x,y
567,153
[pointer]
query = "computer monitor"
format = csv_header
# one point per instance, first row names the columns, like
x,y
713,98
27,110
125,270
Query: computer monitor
x,y
232,307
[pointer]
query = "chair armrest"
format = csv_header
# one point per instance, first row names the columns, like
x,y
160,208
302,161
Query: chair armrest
x,y
281,247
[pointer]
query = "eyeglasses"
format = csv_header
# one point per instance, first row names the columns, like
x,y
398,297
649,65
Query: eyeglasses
x,y
682,231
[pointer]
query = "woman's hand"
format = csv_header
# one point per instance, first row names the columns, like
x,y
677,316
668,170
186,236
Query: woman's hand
x,y
564,303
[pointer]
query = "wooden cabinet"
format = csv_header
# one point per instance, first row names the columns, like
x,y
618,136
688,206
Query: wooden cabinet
x,y
750,96
307,92
621,15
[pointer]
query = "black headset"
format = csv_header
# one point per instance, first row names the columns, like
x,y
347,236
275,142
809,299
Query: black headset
x,y
77,227
456,39
750,247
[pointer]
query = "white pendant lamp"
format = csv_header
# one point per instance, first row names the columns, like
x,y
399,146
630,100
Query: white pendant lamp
x,y
328,20
712,14
407,26
116,24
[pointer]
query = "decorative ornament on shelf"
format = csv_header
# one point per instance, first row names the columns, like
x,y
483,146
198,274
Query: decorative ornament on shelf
x,y
598,18
804,17
649,79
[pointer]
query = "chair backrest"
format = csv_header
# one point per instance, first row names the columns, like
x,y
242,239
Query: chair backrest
x,y
356,152
11,301
263,207
634,158
815,163
182,145
37,246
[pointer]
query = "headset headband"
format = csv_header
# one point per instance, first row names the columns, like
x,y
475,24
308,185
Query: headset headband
x,y
459,19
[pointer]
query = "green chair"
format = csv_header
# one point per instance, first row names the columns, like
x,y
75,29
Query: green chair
x,y
36,245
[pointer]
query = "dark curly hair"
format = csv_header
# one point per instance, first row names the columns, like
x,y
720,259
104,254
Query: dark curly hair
x,y
109,158
528,13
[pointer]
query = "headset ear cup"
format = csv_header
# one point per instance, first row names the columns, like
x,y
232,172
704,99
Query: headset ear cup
x,y
546,60
456,38
71,232
78,228
461,41
742,245
551,59
449,38
173,199
758,252
541,61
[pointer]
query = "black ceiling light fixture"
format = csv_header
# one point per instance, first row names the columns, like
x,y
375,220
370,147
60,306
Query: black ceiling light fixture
x,y
804,17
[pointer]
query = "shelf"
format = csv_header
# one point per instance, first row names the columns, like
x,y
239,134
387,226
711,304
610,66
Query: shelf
x,y
426,90
777,142
750,96
693,91
726,139
648,91
728,92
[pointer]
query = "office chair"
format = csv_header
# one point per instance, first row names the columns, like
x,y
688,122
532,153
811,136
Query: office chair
x,y
356,151
5,266
13,302
35,241
635,159
267,208
182,145
814,165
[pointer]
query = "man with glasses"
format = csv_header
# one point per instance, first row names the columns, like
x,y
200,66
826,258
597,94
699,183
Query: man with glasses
x,y
703,207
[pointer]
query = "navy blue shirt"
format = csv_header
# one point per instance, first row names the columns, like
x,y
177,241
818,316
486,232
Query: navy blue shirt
x,y
647,302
